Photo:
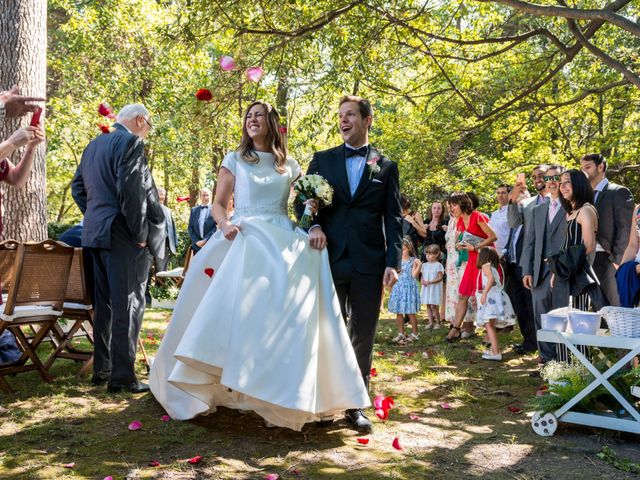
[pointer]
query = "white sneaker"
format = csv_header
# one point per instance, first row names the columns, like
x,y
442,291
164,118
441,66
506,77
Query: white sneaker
x,y
398,338
490,356
467,334
412,337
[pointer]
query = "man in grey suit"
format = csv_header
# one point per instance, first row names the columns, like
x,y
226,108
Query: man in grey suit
x,y
614,204
123,227
543,236
172,237
519,214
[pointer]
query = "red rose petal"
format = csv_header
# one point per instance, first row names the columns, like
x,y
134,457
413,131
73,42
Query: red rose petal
x,y
362,441
105,109
396,444
382,414
154,463
105,128
204,95
388,403
373,372
183,199
283,130
135,425
195,460
408,354
209,271
514,409
380,354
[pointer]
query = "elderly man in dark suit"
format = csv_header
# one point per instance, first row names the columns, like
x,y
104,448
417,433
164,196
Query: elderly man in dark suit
x,y
362,230
614,204
543,236
201,222
123,227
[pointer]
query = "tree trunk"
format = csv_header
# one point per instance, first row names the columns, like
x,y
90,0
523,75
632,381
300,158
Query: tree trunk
x,y
23,62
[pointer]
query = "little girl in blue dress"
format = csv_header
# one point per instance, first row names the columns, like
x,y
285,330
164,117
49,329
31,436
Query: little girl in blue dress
x,y
405,295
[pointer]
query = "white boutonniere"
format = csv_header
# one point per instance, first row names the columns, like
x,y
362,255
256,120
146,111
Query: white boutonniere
x,y
372,162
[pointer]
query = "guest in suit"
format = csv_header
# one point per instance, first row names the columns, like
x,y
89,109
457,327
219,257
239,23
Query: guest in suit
x,y
201,223
123,227
614,204
543,236
362,229
172,237
521,207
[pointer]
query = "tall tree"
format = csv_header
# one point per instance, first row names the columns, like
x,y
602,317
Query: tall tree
x,y
23,49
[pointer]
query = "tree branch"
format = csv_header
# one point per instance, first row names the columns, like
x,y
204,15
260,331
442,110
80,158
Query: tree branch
x,y
605,15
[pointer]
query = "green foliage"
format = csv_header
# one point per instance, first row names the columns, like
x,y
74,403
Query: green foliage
x,y
55,229
607,455
453,106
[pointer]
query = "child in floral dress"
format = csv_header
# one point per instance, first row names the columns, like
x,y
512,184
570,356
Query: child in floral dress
x,y
405,296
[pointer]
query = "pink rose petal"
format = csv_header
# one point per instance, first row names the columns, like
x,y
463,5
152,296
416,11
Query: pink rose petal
x,y
377,402
397,378
254,74
382,414
108,478
446,406
69,465
227,63
413,416
165,418
271,476
396,444
135,425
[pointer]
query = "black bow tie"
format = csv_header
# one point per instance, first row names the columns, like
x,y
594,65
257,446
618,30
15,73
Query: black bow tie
x,y
361,152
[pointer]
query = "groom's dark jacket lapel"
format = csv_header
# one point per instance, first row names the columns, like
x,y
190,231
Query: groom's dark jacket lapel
x,y
354,225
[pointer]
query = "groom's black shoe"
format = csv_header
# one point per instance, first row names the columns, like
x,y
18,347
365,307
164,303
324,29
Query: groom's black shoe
x,y
136,387
98,379
358,420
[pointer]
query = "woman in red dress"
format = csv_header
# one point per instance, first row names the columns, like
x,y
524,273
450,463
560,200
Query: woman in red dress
x,y
476,223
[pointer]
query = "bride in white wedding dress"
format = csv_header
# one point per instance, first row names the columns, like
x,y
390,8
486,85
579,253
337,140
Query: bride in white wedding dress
x,y
257,325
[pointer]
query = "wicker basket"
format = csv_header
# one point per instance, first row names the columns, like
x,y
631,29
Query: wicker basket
x,y
622,322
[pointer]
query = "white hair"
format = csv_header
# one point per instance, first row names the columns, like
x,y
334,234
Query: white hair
x,y
132,111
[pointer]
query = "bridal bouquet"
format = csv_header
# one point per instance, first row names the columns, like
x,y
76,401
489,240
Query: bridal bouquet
x,y
313,187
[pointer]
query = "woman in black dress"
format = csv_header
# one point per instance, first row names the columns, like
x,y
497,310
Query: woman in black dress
x,y
436,227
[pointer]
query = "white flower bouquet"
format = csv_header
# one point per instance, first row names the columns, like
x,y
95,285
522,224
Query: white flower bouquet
x,y
312,187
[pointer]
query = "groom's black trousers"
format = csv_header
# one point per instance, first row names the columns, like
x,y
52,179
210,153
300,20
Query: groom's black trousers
x,y
360,296
121,276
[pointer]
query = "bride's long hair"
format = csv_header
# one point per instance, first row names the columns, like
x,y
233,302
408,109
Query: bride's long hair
x,y
275,138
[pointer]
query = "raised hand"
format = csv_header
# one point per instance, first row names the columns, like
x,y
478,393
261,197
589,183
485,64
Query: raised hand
x,y
15,104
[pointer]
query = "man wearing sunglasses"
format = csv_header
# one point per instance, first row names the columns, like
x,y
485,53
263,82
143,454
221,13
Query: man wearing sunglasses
x,y
614,204
543,236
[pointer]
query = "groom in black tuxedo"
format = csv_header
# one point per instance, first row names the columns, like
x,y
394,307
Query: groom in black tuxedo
x,y
123,227
362,230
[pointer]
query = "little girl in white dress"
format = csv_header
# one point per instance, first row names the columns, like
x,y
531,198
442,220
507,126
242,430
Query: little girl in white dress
x,y
494,307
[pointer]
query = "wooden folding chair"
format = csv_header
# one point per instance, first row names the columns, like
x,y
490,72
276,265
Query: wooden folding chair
x,y
177,274
77,309
8,249
35,298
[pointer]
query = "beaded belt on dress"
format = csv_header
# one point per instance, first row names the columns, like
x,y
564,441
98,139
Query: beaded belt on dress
x,y
260,210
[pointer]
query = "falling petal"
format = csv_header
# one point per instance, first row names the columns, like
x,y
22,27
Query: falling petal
x,y
227,63
362,441
388,403
373,372
283,130
165,418
204,95
377,401
104,109
396,444
209,272
183,199
195,460
135,425
380,354
105,128
108,478
446,406
254,74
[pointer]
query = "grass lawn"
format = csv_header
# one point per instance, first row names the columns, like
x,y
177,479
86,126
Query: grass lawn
x,y
452,419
